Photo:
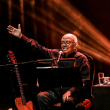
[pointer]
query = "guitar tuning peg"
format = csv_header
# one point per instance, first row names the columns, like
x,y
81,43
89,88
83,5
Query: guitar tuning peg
x,y
8,58
11,70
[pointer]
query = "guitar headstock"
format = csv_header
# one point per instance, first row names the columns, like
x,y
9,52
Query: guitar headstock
x,y
11,57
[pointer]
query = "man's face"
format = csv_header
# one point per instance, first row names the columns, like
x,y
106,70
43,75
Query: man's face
x,y
68,44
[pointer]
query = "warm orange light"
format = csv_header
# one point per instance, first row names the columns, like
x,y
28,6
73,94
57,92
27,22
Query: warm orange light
x,y
99,46
9,10
69,19
22,14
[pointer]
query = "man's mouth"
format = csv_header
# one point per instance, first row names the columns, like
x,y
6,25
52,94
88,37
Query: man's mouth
x,y
65,49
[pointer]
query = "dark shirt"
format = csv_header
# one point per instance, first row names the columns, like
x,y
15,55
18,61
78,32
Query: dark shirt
x,y
40,52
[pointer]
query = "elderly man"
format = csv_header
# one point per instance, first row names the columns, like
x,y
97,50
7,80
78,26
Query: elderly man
x,y
71,95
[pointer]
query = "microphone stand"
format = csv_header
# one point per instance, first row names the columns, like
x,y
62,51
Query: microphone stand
x,y
43,61
40,61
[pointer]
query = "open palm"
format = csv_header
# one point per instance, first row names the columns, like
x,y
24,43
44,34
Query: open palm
x,y
14,31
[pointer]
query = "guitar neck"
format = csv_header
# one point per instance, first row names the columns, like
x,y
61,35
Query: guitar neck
x,y
20,85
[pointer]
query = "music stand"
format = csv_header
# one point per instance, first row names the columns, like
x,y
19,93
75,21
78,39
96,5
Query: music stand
x,y
59,76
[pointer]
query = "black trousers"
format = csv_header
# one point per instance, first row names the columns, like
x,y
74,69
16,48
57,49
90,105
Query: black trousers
x,y
48,98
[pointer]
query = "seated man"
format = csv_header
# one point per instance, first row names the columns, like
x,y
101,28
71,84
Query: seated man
x,y
71,95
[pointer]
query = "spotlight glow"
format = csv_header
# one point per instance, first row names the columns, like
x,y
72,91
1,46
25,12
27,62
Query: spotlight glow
x,y
22,14
100,46
69,19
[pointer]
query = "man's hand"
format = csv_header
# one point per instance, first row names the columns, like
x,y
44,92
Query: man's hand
x,y
66,95
14,31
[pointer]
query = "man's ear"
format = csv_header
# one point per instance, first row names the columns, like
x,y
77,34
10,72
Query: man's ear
x,y
76,44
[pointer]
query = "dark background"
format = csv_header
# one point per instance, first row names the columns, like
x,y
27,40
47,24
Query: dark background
x,y
47,26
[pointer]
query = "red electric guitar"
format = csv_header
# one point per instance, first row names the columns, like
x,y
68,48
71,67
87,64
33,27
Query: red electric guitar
x,y
20,102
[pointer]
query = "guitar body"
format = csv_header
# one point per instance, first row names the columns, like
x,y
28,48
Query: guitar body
x,y
20,106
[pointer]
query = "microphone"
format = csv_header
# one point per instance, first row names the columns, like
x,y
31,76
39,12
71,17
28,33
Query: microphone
x,y
60,52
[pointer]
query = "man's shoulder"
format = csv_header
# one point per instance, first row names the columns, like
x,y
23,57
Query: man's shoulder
x,y
82,56
79,54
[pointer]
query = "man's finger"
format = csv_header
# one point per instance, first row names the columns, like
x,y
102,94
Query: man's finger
x,y
10,32
10,26
67,98
64,99
19,26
